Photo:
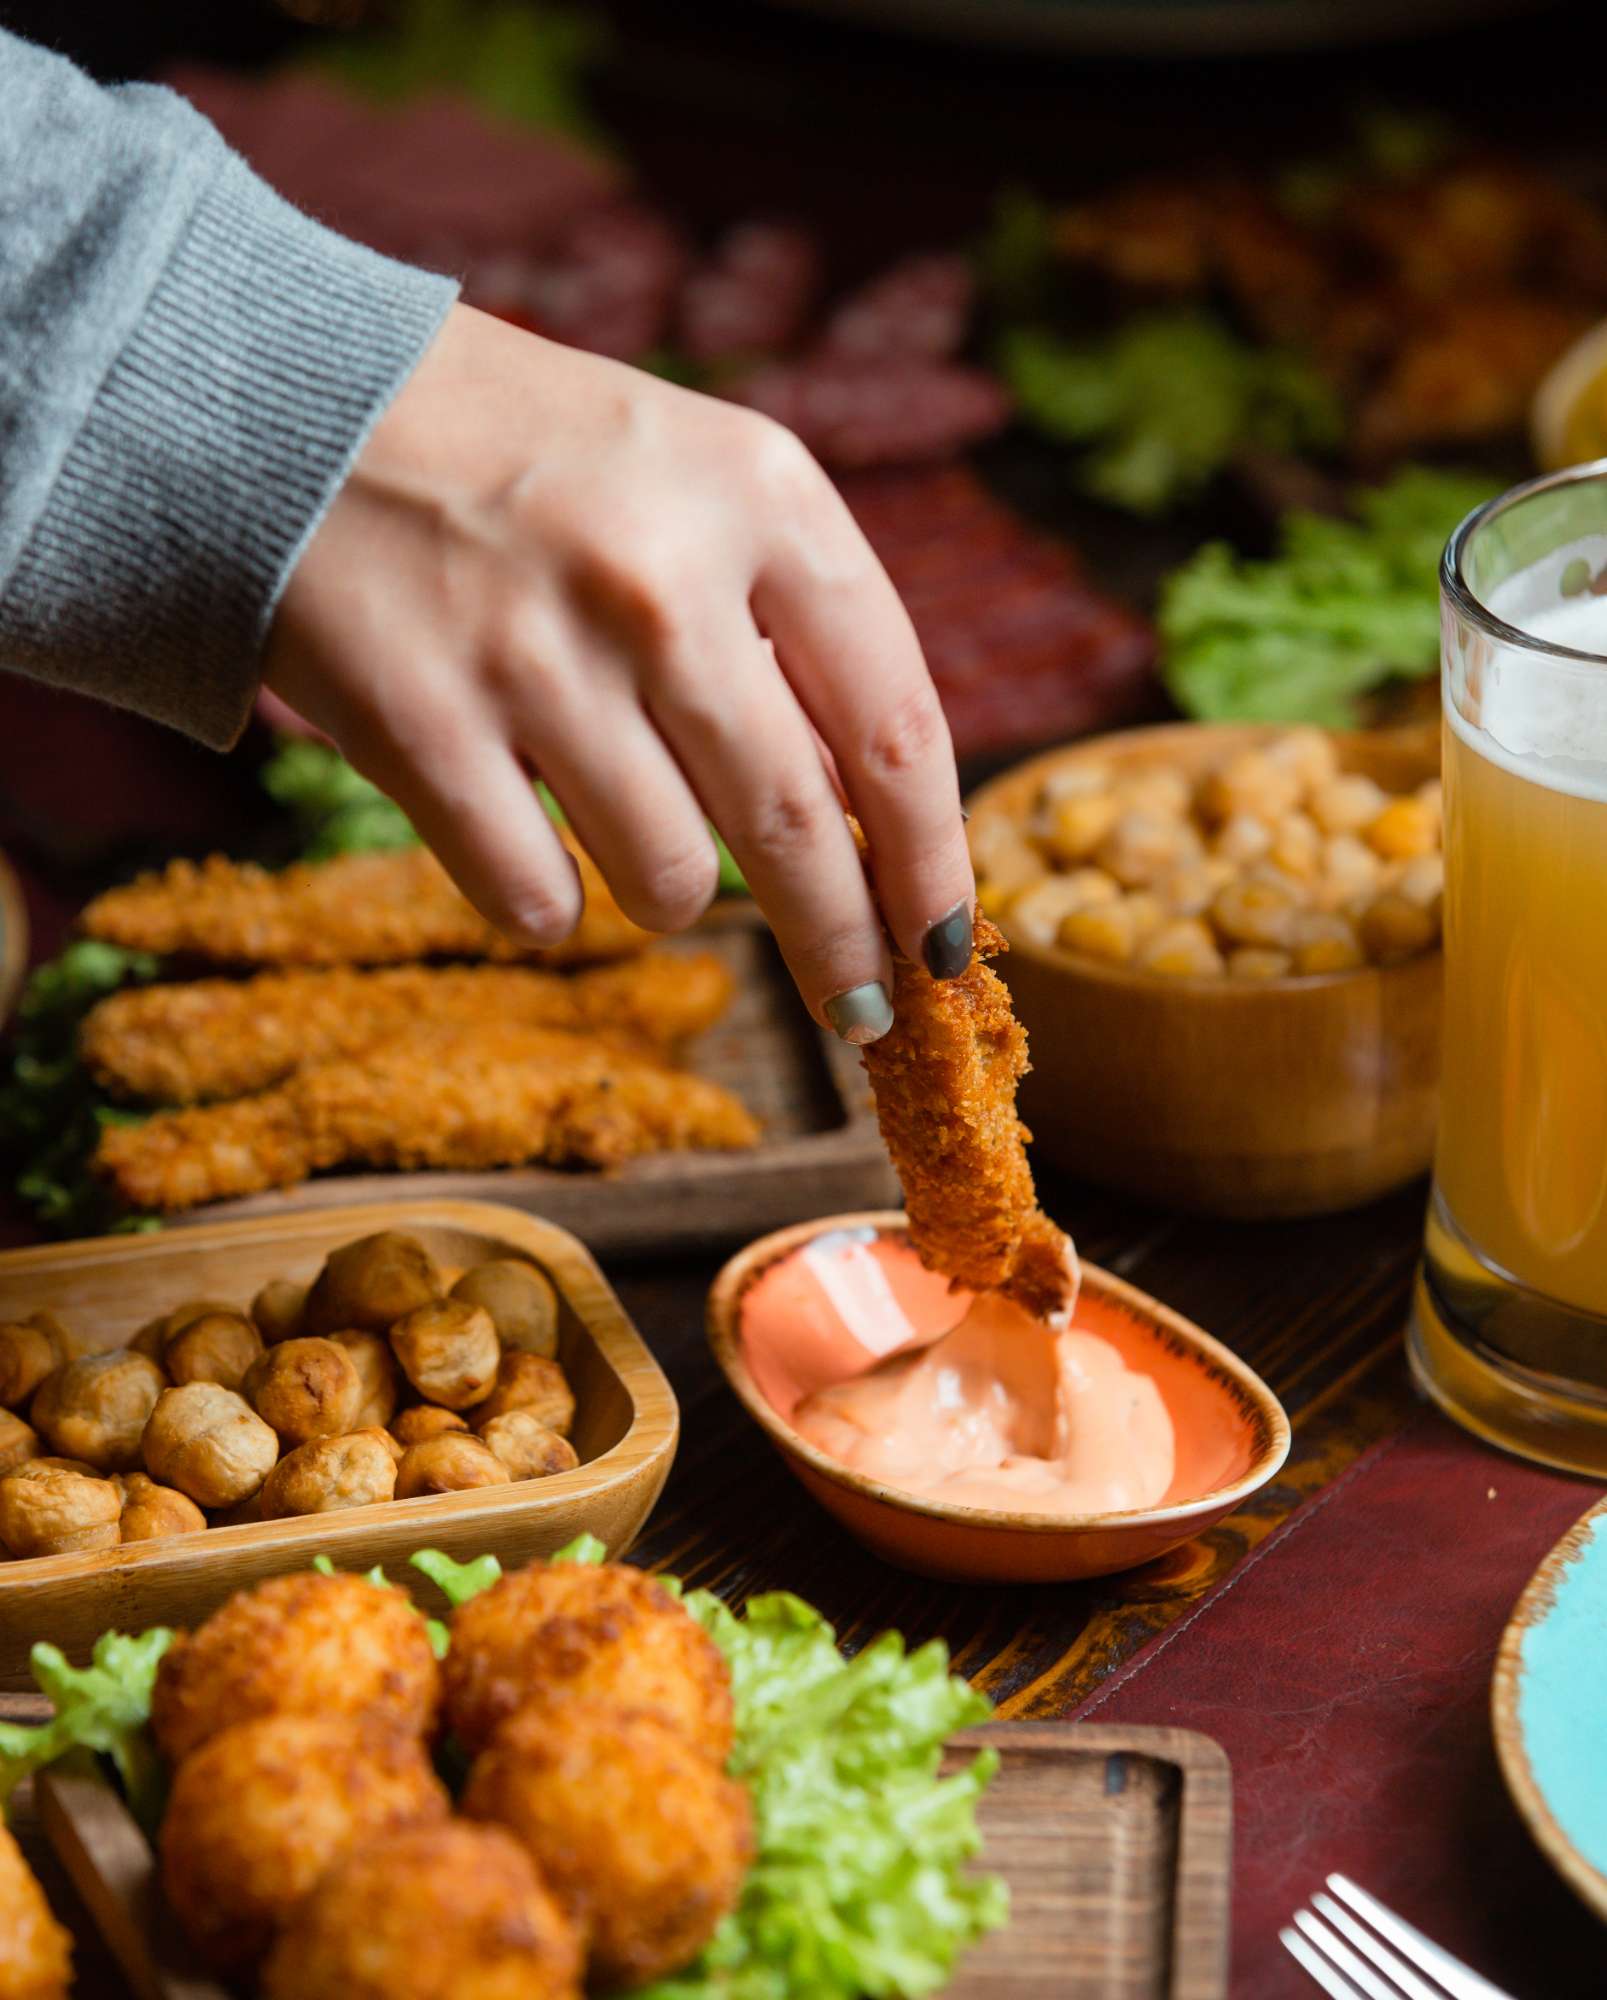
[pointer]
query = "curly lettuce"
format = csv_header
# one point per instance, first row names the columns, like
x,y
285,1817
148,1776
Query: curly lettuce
x,y
104,1707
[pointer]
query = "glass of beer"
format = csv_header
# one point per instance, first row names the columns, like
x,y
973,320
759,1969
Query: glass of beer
x,y
1509,1323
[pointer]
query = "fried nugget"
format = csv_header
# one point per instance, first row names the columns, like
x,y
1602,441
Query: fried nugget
x,y
607,1631
215,1038
360,909
645,1842
35,1952
297,1645
264,1809
448,1909
491,1098
944,1079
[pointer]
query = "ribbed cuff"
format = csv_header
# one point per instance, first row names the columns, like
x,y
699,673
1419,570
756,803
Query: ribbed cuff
x,y
268,350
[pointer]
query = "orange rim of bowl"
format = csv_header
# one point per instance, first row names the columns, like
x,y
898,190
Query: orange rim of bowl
x,y
1222,992
1266,1416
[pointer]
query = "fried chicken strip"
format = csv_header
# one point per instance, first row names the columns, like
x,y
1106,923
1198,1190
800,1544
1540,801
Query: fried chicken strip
x,y
360,909
490,1097
945,1081
216,1038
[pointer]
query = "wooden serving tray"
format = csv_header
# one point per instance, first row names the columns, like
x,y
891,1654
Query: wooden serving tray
x,y
105,1288
821,1152
1115,1843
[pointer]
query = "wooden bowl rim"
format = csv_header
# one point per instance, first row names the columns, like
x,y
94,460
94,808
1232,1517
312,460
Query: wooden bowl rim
x,y
1266,1415
652,1432
1539,1593
1220,992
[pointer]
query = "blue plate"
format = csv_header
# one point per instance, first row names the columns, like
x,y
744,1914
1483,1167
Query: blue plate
x,y
1550,1707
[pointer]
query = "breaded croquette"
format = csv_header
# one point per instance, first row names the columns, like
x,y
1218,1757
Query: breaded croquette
x,y
644,1841
486,1098
606,1631
35,1951
216,1038
360,909
452,1911
945,1079
297,1645
263,1809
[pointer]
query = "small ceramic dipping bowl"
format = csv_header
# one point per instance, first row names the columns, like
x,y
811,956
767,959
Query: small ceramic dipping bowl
x,y
1231,1432
1248,1098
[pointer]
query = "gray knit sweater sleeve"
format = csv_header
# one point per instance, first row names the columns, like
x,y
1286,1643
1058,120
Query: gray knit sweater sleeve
x,y
188,367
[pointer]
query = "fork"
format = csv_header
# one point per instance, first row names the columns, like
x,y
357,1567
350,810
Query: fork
x,y
1347,1959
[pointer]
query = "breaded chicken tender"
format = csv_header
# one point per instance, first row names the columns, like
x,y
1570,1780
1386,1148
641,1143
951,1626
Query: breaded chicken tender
x,y
215,1038
945,1079
604,1630
645,1842
452,1911
297,1645
264,1809
35,1951
494,1098
359,909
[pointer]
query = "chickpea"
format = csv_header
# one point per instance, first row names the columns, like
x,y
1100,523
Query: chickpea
x,y
425,1420
449,1352
1251,782
1296,848
1393,928
1349,869
1037,913
1308,754
1253,961
1257,912
520,1299
18,1442
1002,855
208,1442
526,1446
1160,789
214,1347
1073,781
279,1309
49,1508
329,1474
1423,881
1074,827
305,1388
1347,804
1404,829
30,1350
367,1286
1143,846
1324,942
448,1464
1241,840
153,1513
376,1370
1187,892
1104,931
529,1382
1182,950
96,1408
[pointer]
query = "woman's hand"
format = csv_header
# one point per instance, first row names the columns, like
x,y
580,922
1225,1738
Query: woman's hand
x,y
546,563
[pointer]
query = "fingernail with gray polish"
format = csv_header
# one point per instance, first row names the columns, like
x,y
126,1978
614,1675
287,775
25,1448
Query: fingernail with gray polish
x,y
862,1014
947,945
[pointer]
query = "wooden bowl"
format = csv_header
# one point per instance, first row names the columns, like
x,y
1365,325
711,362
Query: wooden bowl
x,y
13,938
626,1421
1274,1097
1232,1437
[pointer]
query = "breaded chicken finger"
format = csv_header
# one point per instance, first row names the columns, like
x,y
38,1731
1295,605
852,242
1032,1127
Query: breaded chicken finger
x,y
945,1079
214,1038
475,1099
361,909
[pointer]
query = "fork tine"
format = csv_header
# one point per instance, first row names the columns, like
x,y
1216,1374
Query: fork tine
x,y
1376,1952
1459,1980
1370,1982
1332,1982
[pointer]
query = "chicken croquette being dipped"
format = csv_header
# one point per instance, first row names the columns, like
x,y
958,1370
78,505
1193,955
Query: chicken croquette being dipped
x,y
300,1645
35,1952
608,1631
644,1840
264,1808
451,1909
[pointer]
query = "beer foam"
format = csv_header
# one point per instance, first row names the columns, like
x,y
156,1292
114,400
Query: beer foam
x,y
1544,718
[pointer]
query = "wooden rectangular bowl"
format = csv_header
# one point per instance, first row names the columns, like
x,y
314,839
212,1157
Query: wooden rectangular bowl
x,y
105,1288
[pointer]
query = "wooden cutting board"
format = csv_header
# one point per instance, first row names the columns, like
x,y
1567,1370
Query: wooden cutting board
x,y
1116,1844
821,1153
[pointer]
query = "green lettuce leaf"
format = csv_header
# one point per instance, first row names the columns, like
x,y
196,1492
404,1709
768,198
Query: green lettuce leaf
x,y
1342,607
103,1707
1162,406
457,1582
